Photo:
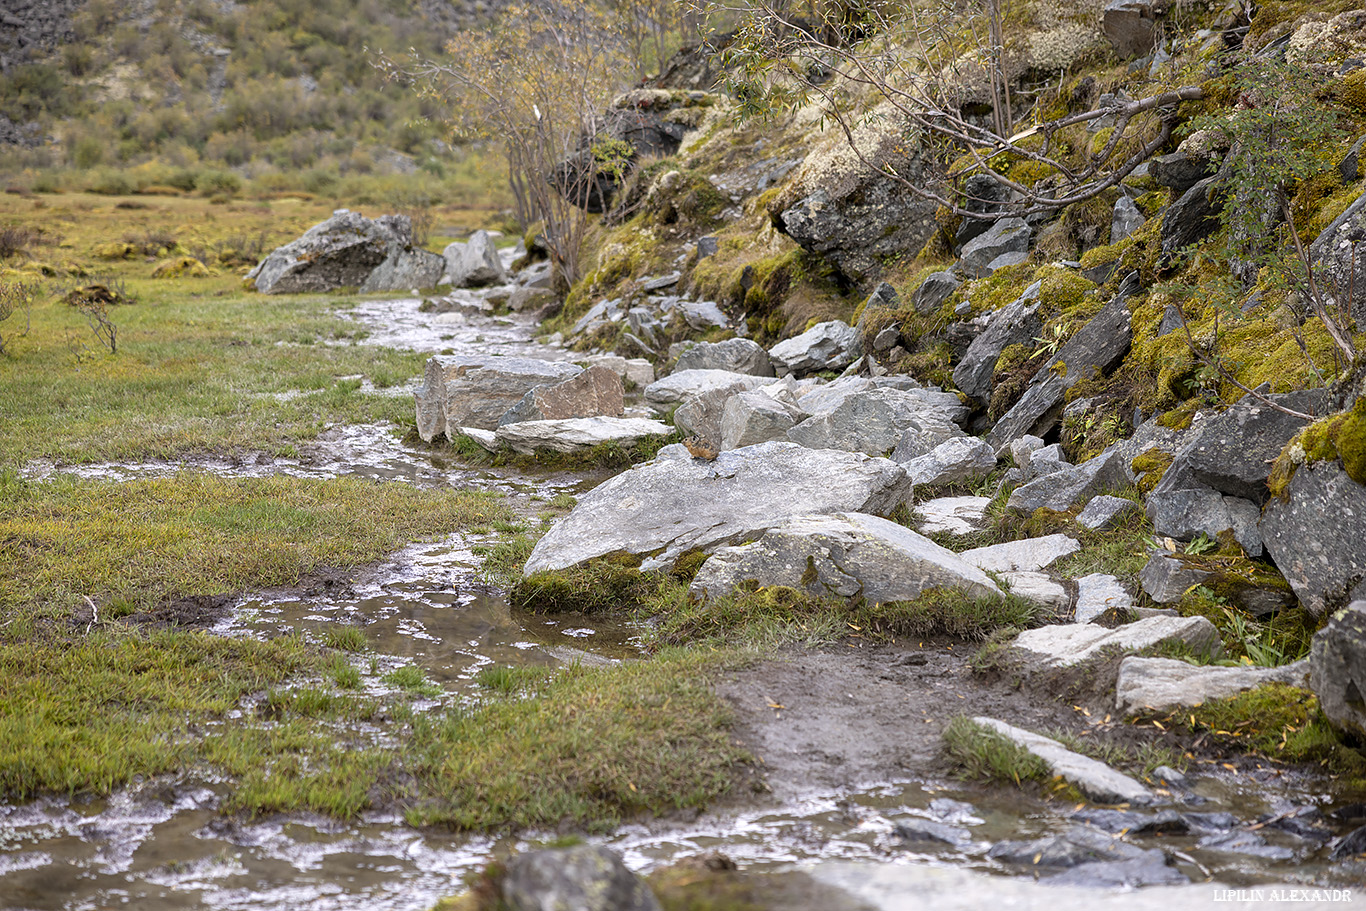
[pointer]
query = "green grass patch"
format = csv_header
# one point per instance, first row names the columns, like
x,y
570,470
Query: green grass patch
x,y
411,678
345,638
980,753
596,746
610,455
138,543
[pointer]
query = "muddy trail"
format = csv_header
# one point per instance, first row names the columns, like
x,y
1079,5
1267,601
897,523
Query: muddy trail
x,y
849,784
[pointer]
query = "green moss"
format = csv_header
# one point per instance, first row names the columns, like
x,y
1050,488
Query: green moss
x,y
1338,436
989,294
1066,294
1109,253
1151,466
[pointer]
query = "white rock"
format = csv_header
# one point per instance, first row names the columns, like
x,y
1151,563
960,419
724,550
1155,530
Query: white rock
x,y
1094,779
1158,684
1098,593
1074,643
572,434
1027,555
1040,588
676,387
954,515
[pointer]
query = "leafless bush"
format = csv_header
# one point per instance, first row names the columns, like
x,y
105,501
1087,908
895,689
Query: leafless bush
x,y
16,296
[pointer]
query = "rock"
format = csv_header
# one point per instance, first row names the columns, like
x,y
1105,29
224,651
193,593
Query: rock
x,y
1022,449
348,250
596,392
1063,489
1097,348
1166,577
933,291
476,391
1126,219
524,299
738,355
1027,555
1314,536
1337,665
1005,259
707,246
924,831
1133,822
858,217
953,460
883,298
1232,452
674,504
1248,843
1131,26
1184,514
843,555
1039,588
1190,219
832,345
952,515
1094,779
1152,869
474,263
1160,684
1178,171
922,438
700,415
1009,235
1339,260
756,417
581,878
1351,847
887,338
634,370
982,194
1075,643
682,384
576,434
1045,461
701,315
1098,593
1014,324
1079,845
1105,511
872,420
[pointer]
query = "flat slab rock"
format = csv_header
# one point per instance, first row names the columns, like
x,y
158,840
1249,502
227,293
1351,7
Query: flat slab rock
x,y
844,555
1096,780
1075,643
952,515
675,503
576,434
1025,556
678,386
1157,684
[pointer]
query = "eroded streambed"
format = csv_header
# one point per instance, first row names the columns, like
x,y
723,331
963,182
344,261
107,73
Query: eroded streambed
x,y
164,844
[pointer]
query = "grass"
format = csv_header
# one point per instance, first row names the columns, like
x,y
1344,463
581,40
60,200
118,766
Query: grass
x,y
412,679
345,638
200,534
594,747
981,753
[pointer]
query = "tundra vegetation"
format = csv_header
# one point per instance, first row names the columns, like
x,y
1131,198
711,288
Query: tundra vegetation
x,y
126,334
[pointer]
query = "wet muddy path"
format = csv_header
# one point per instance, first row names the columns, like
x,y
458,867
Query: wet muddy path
x,y
163,844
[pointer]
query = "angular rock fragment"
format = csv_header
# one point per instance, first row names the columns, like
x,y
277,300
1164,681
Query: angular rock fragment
x,y
1075,643
738,355
1160,684
1027,555
576,434
465,391
831,345
678,386
1338,670
596,392
1096,780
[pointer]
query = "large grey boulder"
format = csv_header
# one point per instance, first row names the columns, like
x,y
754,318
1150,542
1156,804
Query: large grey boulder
x,y
476,391
1315,536
701,413
680,385
831,345
348,251
1160,684
581,878
473,263
1026,555
576,434
1131,26
1341,266
1097,348
738,355
1094,779
1063,489
844,555
1016,323
596,392
1009,235
1076,643
756,417
1191,218
1338,670
872,420
957,459
664,508
1185,514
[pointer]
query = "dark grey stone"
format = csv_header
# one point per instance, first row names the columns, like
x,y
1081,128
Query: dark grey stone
x,y
1131,26
1151,869
1352,845
582,878
1080,845
933,291
1232,452
1016,323
707,246
1106,512
982,194
1341,261
1178,171
883,298
1337,670
1098,347
1009,235
738,355
1167,577
349,251
1063,489
1188,512
1125,221
1190,219
1315,535
924,831
1248,843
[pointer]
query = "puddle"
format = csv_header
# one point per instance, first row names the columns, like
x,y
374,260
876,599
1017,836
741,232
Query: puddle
x,y
400,323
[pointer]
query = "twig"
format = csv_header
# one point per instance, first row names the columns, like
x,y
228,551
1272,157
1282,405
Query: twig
x,y
94,613
1224,372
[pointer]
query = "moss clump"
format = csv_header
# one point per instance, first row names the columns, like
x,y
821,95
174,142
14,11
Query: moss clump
x,y
1150,466
982,753
1180,418
1339,436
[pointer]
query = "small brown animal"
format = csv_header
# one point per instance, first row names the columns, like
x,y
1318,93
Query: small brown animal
x,y
700,448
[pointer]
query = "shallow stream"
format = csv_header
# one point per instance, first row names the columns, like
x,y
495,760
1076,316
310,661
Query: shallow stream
x,y
161,844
